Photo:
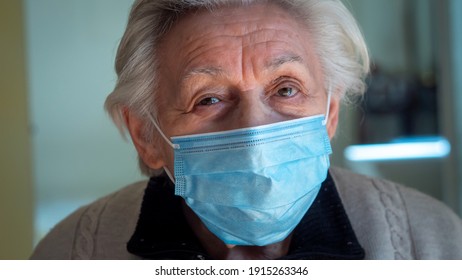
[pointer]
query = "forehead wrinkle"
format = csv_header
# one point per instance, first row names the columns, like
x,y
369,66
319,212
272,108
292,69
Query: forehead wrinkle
x,y
192,66
266,35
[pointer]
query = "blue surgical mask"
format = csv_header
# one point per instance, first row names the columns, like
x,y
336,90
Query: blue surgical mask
x,y
252,186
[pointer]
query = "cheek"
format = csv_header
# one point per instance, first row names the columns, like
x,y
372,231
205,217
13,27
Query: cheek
x,y
187,124
165,154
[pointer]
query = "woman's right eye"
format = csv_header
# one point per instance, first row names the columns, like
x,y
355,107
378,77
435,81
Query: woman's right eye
x,y
208,101
287,92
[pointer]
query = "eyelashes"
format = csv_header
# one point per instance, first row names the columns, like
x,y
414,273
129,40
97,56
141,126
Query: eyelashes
x,y
283,87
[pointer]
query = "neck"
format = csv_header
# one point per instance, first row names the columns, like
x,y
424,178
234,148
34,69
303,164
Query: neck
x,y
217,249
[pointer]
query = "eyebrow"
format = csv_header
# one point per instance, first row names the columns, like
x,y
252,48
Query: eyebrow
x,y
211,71
216,71
286,58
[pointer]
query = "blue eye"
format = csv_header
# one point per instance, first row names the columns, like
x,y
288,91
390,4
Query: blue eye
x,y
208,101
287,92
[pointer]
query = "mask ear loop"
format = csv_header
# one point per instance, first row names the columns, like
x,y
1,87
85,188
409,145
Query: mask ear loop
x,y
329,93
174,146
169,174
154,122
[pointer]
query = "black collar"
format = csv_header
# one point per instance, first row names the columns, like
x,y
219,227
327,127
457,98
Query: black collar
x,y
162,231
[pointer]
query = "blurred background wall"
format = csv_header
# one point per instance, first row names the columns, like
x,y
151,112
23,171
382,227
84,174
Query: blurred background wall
x,y
78,154
60,150
414,92
16,193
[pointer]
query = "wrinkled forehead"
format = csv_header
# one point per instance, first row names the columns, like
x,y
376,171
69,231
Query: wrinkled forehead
x,y
236,17
265,34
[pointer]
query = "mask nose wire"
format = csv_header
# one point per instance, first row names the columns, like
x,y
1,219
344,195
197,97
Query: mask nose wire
x,y
329,93
154,122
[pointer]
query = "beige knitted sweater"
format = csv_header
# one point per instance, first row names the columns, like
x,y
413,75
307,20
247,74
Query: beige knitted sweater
x,y
390,222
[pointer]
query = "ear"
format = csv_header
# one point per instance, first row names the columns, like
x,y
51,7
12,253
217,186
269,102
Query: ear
x,y
334,109
150,152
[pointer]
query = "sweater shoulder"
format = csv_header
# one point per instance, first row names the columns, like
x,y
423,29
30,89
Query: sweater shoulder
x,y
397,222
99,230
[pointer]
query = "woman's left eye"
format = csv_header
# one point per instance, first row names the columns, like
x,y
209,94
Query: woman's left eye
x,y
287,92
208,101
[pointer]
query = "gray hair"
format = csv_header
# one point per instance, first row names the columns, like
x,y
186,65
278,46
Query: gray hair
x,y
338,43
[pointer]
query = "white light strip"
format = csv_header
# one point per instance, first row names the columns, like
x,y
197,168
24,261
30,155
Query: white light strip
x,y
438,148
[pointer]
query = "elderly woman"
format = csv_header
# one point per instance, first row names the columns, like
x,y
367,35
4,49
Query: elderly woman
x,y
231,106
